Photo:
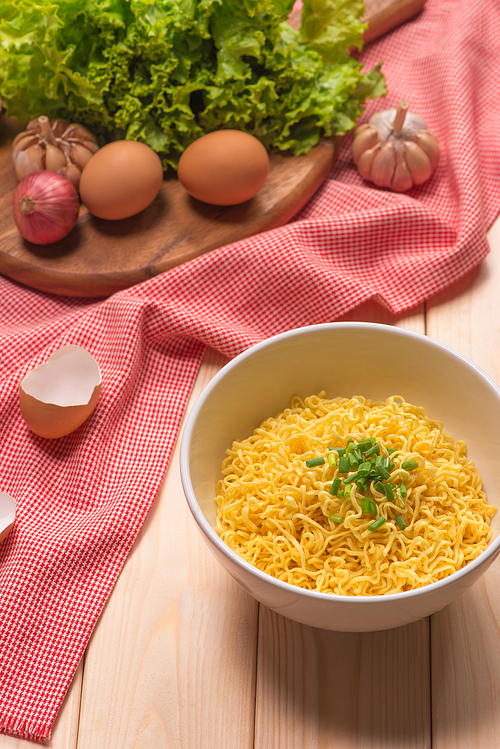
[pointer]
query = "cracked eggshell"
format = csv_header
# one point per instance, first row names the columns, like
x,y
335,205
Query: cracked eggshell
x,y
56,397
7,514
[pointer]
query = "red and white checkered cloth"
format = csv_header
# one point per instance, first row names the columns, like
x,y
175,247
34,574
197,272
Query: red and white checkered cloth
x,y
82,499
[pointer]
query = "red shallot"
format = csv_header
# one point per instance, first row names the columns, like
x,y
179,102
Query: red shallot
x,y
45,207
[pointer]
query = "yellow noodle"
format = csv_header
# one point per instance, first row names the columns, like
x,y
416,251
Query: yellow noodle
x,y
275,512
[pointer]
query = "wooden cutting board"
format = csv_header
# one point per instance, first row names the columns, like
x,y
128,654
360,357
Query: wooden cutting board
x,y
101,257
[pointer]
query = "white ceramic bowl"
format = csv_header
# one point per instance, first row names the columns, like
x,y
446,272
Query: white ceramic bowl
x,y
345,359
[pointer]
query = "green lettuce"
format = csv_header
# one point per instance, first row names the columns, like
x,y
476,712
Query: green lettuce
x,y
166,72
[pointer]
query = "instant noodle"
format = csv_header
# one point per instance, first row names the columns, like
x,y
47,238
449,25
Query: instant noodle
x,y
353,497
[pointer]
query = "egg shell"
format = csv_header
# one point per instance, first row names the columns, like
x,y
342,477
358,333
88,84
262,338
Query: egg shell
x,y
76,384
7,514
121,179
225,167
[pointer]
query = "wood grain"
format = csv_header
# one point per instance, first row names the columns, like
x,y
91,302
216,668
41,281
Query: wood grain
x,y
466,635
385,15
318,689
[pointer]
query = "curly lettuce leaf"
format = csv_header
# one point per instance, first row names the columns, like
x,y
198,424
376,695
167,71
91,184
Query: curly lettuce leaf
x,y
166,72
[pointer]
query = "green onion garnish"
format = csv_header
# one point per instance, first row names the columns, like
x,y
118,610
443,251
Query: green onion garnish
x,y
343,464
400,522
340,450
409,465
349,446
363,484
353,461
383,472
332,460
336,518
366,506
364,445
391,450
373,507
402,490
389,492
375,450
335,486
313,462
379,486
347,492
365,468
379,522
352,477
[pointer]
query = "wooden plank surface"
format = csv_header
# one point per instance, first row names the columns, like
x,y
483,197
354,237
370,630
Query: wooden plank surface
x,y
465,636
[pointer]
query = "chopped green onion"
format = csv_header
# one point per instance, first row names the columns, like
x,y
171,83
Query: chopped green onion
x,y
388,464
364,445
363,484
391,450
379,486
352,477
332,460
347,492
364,469
313,462
409,465
357,455
401,523
402,490
379,522
335,486
375,450
383,472
339,450
349,446
366,506
373,507
353,461
336,518
343,464
389,492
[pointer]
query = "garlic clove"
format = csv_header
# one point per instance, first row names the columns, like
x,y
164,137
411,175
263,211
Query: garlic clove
x,y
363,140
80,155
59,127
362,128
429,144
22,142
7,514
28,161
365,161
402,179
383,166
54,158
418,162
71,172
79,133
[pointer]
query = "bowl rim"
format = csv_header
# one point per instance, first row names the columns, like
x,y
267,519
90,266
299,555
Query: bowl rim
x,y
359,600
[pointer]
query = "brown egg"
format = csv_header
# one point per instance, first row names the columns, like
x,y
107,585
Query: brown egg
x,y
121,179
226,167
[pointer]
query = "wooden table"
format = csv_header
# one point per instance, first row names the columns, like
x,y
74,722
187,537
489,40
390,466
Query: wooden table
x,y
183,658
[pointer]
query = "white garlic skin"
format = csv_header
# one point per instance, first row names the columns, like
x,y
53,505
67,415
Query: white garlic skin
x,y
394,149
57,146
